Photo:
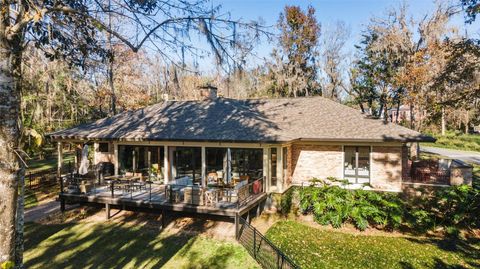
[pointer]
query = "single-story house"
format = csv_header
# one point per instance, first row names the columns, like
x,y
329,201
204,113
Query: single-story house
x,y
285,141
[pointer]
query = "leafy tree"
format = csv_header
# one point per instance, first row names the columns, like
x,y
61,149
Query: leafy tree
x,y
72,30
294,69
472,8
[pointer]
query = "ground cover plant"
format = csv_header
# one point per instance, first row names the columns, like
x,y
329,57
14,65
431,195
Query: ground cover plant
x,y
312,247
450,209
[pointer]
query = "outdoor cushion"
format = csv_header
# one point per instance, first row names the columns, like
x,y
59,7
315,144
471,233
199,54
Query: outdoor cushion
x,y
241,184
183,181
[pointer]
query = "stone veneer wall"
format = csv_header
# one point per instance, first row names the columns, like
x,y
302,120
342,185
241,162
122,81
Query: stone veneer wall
x,y
386,167
309,161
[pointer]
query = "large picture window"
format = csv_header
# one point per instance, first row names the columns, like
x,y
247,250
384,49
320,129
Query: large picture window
x,y
188,162
357,164
141,159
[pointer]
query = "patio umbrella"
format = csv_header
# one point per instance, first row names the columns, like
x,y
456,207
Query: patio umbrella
x,y
84,163
228,176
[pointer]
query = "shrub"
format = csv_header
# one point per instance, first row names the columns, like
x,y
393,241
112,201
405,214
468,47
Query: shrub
x,y
286,201
456,206
452,208
335,206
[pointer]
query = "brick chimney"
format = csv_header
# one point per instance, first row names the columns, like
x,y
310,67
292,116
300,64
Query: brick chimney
x,y
208,92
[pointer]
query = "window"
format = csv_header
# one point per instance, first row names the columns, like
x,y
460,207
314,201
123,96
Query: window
x,y
357,164
103,147
273,166
141,159
188,162
285,162
247,162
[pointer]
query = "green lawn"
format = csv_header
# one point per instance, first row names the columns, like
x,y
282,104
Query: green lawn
x,y
41,193
35,165
476,176
31,199
116,245
316,248
468,142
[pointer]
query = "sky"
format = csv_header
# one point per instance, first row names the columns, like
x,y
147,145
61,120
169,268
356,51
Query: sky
x,y
355,13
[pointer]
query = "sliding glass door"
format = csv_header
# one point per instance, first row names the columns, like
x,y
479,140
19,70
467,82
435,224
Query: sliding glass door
x,y
141,159
357,164
188,162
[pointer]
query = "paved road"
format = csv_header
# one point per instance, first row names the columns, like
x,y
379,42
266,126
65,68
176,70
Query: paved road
x,y
466,156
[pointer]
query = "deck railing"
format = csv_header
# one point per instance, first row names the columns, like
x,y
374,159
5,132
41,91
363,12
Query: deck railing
x,y
261,249
248,192
430,172
195,195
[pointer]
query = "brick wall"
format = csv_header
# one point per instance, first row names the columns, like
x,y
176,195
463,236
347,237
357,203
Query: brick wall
x,y
386,167
305,162
308,161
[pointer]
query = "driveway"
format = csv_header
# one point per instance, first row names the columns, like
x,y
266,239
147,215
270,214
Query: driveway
x,y
466,156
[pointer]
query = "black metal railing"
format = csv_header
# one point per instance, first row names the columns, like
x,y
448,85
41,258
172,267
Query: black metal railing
x,y
262,249
37,179
248,192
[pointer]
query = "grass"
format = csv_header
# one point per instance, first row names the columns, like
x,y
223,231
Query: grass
x,y
36,165
31,199
39,194
317,248
476,176
468,142
115,245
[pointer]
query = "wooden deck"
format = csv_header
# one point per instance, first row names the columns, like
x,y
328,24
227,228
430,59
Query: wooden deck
x,y
155,199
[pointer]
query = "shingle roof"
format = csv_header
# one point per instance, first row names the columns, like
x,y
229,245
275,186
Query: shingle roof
x,y
252,120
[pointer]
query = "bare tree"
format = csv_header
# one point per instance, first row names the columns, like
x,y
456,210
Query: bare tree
x,y
333,57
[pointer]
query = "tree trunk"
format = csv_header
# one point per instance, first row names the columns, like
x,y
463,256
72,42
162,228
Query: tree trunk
x,y
443,120
398,111
10,169
412,114
113,107
20,222
467,120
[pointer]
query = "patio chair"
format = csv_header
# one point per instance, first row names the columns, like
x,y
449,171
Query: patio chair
x,y
211,197
85,186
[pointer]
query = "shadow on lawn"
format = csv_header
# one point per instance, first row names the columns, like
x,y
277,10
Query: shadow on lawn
x,y
464,247
114,245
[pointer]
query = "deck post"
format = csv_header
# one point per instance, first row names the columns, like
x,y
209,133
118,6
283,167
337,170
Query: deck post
x,y
204,167
163,218
266,168
166,167
60,159
236,225
107,211
115,158
62,205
